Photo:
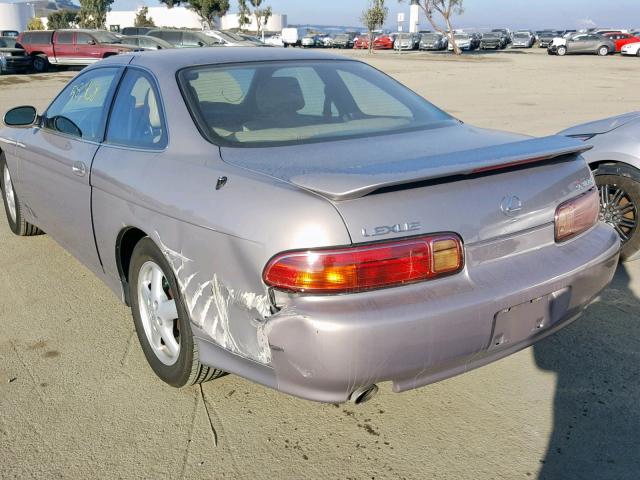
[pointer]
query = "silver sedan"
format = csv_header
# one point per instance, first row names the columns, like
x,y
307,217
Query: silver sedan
x,y
305,221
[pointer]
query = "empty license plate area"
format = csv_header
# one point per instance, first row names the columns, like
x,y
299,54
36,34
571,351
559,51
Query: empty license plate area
x,y
516,324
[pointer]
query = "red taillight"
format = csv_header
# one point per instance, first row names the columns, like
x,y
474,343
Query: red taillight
x,y
355,269
577,215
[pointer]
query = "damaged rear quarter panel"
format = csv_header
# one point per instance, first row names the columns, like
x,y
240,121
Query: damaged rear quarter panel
x,y
217,241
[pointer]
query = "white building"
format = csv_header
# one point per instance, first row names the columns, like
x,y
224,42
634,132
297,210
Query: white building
x,y
15,16
275,23
181,17
178,17
414,16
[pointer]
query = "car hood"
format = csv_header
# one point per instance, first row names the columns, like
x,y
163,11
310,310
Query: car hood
x,y
353,168
601,126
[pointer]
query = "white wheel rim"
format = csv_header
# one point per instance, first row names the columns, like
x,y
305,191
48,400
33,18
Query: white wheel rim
x,y
604,51
158,313
9,194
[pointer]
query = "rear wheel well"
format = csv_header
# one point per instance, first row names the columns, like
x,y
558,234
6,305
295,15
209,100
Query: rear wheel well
x,y
127,241
612,167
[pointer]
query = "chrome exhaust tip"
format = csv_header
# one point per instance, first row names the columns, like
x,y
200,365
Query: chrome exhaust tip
x,y
363,394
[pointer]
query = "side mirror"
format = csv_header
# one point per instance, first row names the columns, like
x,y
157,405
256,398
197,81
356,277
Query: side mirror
x,y
201,44
91,42
20,116
64,125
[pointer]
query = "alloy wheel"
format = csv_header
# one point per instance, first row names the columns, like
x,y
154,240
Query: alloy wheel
x,y
618,210
159,313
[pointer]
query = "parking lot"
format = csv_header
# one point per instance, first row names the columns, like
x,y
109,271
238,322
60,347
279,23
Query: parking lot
x,y
77,399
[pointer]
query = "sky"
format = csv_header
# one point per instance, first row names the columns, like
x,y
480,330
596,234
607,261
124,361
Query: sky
x,y
535,14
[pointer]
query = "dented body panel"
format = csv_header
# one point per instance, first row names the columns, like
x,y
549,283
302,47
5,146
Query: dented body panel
x,y
218,237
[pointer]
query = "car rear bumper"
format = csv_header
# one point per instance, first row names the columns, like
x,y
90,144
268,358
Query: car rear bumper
x,y
15,64
325,347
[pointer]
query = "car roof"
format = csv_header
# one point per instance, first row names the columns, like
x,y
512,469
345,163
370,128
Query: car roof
x,y
176,59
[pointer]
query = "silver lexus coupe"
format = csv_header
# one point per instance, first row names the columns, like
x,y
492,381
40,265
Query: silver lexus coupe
x,y
304,221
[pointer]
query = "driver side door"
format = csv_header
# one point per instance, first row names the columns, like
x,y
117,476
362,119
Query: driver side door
x,y
55,163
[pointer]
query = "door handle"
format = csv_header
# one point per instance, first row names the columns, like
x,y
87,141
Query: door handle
x,y
79,169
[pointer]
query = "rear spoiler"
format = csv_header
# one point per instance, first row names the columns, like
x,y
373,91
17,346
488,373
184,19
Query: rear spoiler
x,y
345,186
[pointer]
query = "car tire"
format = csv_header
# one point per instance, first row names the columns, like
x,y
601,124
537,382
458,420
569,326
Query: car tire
x,y
12,205
638,53
603,51
40,63
181,368
619,207
561,51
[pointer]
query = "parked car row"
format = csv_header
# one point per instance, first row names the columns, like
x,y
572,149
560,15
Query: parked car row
x,y
41,49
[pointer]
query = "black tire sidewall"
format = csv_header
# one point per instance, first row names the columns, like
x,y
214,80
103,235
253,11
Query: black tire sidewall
x,y
14,226
632,189
178,374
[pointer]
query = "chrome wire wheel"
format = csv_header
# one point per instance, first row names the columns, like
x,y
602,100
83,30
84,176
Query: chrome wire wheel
x,y
618,210
158,313
9,194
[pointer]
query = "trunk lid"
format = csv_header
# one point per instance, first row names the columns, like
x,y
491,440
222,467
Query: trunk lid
x,y
599,127
454,179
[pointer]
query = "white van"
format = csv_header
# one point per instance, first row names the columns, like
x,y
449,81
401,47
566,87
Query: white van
x,y
291,37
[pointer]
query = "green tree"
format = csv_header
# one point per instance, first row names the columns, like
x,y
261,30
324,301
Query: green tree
x,y
261,13
374,17
207,10
244,14
35,24
445,9
142,18
93,13
61,19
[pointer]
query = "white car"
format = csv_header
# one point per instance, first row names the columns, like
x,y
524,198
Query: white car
x,y
631,49
275,40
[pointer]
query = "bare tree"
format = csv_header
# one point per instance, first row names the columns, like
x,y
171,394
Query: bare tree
x,y
261,13
374,17
446,9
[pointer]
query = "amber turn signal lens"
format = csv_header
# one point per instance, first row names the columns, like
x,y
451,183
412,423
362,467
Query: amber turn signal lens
x,y
577,215
356,269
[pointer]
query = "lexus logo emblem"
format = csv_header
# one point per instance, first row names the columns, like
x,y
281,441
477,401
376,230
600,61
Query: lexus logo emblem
x,y
511,205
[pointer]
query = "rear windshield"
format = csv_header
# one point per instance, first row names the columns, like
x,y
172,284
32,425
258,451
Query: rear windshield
x,y
37,37
286,103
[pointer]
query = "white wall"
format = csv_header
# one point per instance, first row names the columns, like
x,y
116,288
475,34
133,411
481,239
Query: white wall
x,y
182,17
15,16
275,23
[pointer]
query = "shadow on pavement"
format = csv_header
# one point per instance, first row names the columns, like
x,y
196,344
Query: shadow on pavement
x,y
596,426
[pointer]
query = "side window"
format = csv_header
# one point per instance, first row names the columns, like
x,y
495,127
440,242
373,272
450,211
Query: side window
x,y
84,39
372,100
64,38
136,119
171,37
83,102
190,40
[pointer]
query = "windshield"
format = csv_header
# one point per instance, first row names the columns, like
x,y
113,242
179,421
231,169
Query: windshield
x,y
105,37
231,37
5,43
430,36
521,35
284,103
491,35
459,36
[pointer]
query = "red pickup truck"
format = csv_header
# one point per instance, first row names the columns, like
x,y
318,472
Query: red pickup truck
x,y
70,47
